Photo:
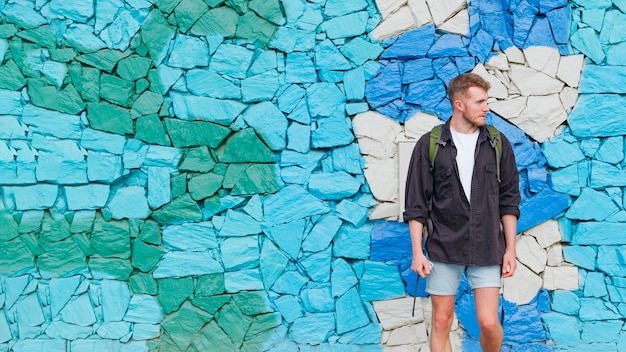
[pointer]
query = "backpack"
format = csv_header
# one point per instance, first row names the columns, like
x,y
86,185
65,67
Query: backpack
x,y
494,139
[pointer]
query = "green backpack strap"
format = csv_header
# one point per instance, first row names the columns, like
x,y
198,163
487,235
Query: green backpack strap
x,y
496,143
435,140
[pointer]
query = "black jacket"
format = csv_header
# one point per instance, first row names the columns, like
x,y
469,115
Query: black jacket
x,y
467,233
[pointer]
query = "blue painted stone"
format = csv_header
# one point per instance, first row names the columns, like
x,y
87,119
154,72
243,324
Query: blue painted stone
x,y
413,44
299,68
144,309
189,237
385,87
317,265
238,223
593,309
333,186
53,123
390,241
328,57
606,175
495,24
446,72
289,307
543,206
448,45
317,299
288,237
288,40
563,329
481,45
342,277
299,137
240,253
591,205
350,312
104,167
333,131
324,98
426,93
380,281
417,70
350,25
313,329
193,108
602,79
272,263
183,263
290,283
115,298
129,202
269,123
359,50
206,83
352,212
322,233
587,42
40,196
523,17
90,196
595,285
559,19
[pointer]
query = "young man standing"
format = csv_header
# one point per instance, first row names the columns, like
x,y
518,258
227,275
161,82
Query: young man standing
x,y
471,195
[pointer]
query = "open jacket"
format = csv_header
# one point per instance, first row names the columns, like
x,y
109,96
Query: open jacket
x,y
464,232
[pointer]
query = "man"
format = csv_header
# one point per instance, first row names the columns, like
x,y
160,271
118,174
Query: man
x,y
473,205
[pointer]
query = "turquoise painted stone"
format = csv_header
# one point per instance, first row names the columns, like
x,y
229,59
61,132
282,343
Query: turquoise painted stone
x,y
110,118
133,67
150,129
116,90
11,76
144,256
67,100
104,59
220,21
181,209
195,133
183,325
188,12
173,292
244,147
255,28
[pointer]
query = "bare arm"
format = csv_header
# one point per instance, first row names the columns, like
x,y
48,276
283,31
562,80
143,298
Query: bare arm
x,y
509,263
419,263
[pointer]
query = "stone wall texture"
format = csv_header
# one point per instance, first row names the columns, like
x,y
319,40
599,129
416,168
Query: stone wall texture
x,y
223,175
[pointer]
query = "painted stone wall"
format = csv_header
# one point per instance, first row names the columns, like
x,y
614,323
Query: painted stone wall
x,y
206,175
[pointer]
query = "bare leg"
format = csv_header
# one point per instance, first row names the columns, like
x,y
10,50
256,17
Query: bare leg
x,y
443,315
491,333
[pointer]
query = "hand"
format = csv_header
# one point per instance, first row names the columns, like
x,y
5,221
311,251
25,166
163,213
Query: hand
x,y
421,265
509,264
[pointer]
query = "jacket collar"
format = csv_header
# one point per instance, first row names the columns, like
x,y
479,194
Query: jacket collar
x,y
446,135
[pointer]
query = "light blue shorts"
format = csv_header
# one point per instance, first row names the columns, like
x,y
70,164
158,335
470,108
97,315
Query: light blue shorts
x,y
444,279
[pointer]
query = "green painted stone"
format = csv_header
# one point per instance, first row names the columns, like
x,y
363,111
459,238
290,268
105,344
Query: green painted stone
x,y
213,338
244,147
213,204
179,185
166,6
15,258
188,12
221,21
82,221
141,85
116,90
240,6
255,28
269,10
234,323
173,292
197,159
87,81
257,179
184,324
134,227
263,323
195,133
104,59
109,118
84,244
253,302
11,76
156,34
60,258
165,109
150,129
7,30
210,304
133,67
180,210
63,54
8,227
204,186
150,232
67,100
143,283
220,169
214,3
54,229
32,243
111,239
144,256
18,51
147,103
110,268
233,173
42,35
210,285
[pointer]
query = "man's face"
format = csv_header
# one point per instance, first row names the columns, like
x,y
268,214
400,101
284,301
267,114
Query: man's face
x,y
473,106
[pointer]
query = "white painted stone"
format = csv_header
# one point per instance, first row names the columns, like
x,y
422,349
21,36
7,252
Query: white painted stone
x,y
498,89
543,58
533,82
419,124
542,117
376,134
560,278
515,55
379,173
547,233
523,286
385,336
509,108
384,210
498,61
408,335
459,24
570,68
568,96
396,24
555,255
442,10
396,313
387,7
531,254
420,11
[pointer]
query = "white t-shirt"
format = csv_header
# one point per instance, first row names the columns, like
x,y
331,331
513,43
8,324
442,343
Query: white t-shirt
x,y
465,149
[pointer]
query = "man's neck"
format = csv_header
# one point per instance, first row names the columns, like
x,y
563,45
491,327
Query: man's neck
x,y
461,125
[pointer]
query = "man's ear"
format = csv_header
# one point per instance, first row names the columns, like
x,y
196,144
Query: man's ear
x,y
458,105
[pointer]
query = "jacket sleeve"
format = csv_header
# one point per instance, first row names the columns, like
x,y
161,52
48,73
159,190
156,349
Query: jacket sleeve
x,y
419,183
509,187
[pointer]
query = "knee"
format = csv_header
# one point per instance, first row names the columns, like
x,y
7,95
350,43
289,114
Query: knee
x,y
443,321
489,325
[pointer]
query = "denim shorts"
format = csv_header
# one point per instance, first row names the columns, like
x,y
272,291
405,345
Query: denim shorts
x,y
444,279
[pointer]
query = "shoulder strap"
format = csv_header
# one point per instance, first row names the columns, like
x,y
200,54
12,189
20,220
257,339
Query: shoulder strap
x,y
496,143
435,140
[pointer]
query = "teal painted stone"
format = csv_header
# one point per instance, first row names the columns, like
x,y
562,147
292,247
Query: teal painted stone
x,y
243,280
179,185
150,129
255,28
7,30
233,173
213,338
328,58
87,81
334,131
231,60
181,264
313,328
197,159
206,83
150,233
8,227
269,10
604,121
602,79
54,229
173,292
110,268
219,111
116,90
104,59
244,146
289,307
350,312
343,277
109,118
63,54
299,68
262,325
67,100
156,34
292,203
261,87
209,285
220,21
204,186
272,263
253,303
288,40
146,104
133,67
234,323
346,26
195,133
210,304
324,99
257,179
180,210
188,12
380,281
33,245
61,258
30,221
142,283
146,331
317,265
144,309
15,258
144,256
11,76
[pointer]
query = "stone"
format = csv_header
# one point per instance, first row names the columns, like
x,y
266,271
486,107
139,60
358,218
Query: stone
x,y
564,278
219,21
269,123
522,76
110,268
188,52
231,60
546,108
601,79
240,253
396,23
206,83
333,186
300,68
129,202
181,264
115,299
189,237
173,292
162,157
156,34
255,28
385,87
302,332
195,133
67,100
447,45
243,280
522,288
238,223
181,209
288,40
317,265
587,42
104,167
343,277
109,118
289,307
359,50
144,309
350,312
350,25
